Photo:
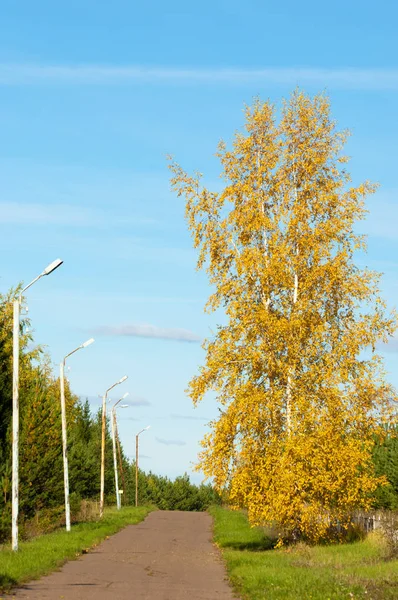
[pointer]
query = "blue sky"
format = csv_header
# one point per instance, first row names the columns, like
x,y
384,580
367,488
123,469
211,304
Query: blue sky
x,y
93,95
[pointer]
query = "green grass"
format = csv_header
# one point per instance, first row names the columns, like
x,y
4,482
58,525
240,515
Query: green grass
x,y
257,571
48,552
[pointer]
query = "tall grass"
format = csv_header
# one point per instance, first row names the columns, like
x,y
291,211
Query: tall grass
x,y
47,552
258,571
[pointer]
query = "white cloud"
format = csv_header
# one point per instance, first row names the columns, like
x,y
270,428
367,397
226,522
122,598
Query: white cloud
x,y
149,331
170,442
89,74
132,457
134,401
137,402
188,417
20,213
390,347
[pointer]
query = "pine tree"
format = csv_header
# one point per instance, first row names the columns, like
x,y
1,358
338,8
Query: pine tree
x,y
84,466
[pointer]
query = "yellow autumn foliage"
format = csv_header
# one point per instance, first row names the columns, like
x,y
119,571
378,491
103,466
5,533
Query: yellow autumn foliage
x,y
300,400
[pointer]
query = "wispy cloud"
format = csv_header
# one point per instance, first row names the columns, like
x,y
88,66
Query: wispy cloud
x,y
134,401
97,74
391,346
137,402
170,442
19,213
188,417
149,331
131,457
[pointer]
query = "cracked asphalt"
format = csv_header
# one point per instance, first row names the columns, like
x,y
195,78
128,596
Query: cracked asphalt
x,y
169,556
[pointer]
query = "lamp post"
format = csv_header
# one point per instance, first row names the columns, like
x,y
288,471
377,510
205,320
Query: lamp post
x,y
103,444
136,463
64,432
113,423
15,401
120,454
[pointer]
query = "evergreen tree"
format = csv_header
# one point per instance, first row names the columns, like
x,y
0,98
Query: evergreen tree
x,y
82,455
385,457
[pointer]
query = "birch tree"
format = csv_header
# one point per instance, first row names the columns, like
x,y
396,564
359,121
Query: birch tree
x,y
299,400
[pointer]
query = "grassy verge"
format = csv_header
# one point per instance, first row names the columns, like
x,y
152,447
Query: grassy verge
x,y
257,572
48,552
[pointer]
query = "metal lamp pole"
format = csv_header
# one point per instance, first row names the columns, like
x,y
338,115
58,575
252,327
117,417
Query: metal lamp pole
x,y
113,422
103,444
64,432
136,463
15,401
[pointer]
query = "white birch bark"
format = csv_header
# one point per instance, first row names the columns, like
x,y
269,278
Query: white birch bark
x,y
291,369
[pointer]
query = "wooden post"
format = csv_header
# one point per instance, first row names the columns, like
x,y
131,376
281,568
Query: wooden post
x,y
103,457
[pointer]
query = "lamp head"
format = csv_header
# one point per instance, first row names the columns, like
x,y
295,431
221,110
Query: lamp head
x,y
123,379
52,266
85,344
147,427
125,395
124,406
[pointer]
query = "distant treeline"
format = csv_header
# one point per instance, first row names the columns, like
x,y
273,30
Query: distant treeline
x,y
179,494
41,468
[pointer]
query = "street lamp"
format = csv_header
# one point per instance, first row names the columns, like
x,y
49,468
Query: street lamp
x,y
113,423
64,434
136,463
103,444
15,401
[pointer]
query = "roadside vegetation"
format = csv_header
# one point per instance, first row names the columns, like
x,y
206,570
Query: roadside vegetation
x,y
179,494
259,571
41,485
305,409
45,553
306,434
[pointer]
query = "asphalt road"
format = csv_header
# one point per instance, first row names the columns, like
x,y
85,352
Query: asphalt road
x,y
169,556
